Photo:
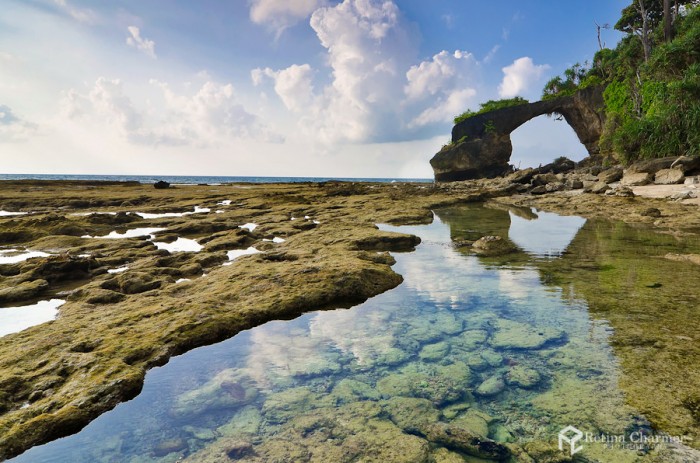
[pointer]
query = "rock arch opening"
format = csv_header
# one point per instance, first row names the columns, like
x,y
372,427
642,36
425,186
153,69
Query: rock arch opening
x,y
541,140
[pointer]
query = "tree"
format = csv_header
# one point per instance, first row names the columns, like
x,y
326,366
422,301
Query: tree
x,y
667,20
639,18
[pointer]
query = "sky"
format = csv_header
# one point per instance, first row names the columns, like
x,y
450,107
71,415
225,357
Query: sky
x,y
351,88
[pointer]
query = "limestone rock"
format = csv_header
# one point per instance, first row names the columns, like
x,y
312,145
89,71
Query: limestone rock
x,y
632,178
651,212
622,191
481,145
669,177
515,335
555,186
411,414
226,390
349,390
434,352
544,179
475,421
598,188
464,440
23,291
611,175
442,455
491,386
523,377
574,183
493,246
472,339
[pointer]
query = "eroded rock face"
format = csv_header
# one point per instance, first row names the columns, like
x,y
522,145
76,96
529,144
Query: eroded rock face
x,y
481,145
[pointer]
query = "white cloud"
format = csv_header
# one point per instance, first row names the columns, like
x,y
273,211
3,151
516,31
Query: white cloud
x,y
13,128
445,109
281,14
141,43
519,77
83,15
445,70
209,116
375,92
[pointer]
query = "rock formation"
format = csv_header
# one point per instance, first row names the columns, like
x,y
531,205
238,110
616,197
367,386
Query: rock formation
x,y
481,145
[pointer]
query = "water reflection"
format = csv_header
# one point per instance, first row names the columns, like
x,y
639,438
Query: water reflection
x,y
462,344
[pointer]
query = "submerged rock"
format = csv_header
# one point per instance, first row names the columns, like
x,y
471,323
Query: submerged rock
x,y
245,422
522,377
491,386
515,335
474,420
472,339
411,414
353,432
439,384
463,440
434,352
226,390
350,390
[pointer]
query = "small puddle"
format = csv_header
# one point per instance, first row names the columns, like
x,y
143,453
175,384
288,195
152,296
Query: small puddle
x,y
15,319
13,256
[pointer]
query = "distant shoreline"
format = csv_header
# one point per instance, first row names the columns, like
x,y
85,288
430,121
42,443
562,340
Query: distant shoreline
x,y
204,179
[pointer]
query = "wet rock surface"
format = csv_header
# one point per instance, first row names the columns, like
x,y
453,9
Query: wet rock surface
x,y
414,391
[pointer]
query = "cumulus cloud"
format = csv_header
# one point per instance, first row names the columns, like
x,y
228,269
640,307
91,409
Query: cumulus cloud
x,y
83,15
446,108
444,84
12,127
375,91
279,15
209,116
519,77
141,43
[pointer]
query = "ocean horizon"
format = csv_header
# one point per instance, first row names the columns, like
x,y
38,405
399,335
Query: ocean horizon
x,y
208,179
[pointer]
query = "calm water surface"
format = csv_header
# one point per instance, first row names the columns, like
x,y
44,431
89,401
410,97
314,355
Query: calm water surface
x,y
493,345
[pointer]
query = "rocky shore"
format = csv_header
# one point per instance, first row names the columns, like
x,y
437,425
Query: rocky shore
x,y
263,251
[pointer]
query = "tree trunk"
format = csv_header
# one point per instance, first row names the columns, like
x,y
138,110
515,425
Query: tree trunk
x,y
667,21
646,40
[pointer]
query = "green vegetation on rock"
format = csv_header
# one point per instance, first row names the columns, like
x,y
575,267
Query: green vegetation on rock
x,y
652,79
489,106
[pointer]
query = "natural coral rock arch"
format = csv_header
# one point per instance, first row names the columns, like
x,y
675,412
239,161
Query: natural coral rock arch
x,y
481,145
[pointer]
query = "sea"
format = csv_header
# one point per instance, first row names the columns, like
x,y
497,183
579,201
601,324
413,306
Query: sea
x,y
197,179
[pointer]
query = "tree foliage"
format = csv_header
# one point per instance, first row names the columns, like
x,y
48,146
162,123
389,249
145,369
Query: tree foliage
x,y
652,94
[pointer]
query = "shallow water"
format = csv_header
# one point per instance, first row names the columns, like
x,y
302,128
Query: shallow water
x,y
15,319
13,256
498,346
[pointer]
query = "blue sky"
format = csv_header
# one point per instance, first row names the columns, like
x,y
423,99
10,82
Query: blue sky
x,y
352,88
